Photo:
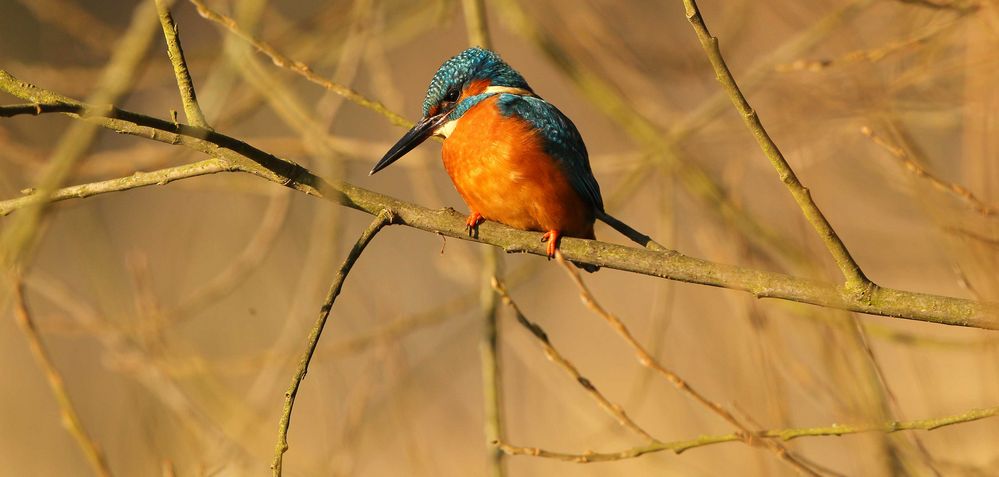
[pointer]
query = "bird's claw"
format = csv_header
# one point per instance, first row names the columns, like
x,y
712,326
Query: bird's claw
x,y
472,224
553,237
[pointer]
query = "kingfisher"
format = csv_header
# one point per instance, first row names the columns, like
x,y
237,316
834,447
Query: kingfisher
x,y
513,157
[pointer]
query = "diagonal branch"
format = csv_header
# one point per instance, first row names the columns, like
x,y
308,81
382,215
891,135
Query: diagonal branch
x,y
383,218
242,157
856,281
554,356
298,67
70,419
646,359
116,78
915,168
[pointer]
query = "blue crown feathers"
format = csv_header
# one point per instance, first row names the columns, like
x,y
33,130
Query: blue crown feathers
x,y
467,66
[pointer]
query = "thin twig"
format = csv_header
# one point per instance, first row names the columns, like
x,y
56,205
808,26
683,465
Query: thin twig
x,y
70,419
856,281
492,376
382,336
298,67
890,401
134,181
184,83
664,148
381,220
776,434
554,356
871,55
910,165
130,358
961,6
19,235
672,265
652,363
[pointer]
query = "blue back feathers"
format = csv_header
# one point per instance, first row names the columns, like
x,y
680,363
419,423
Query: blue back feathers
x,y
562,141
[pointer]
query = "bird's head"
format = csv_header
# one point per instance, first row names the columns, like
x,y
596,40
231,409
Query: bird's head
x,y
459,84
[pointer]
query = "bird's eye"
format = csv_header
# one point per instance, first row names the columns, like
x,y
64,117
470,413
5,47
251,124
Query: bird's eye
x,y
452,96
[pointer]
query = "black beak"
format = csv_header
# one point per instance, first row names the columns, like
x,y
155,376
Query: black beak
x,y
414,137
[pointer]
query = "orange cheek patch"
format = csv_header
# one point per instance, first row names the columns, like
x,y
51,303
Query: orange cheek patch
x,y
474,88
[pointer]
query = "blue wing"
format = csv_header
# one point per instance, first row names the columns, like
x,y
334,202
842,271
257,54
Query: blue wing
x,y
562,141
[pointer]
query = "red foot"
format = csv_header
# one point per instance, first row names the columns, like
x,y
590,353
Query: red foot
x,y
553,237
472,224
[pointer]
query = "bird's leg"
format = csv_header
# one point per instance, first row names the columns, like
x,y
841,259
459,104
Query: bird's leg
x,y
553,237
472,224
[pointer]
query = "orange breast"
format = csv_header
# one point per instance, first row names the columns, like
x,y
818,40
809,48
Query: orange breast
x,y
499,166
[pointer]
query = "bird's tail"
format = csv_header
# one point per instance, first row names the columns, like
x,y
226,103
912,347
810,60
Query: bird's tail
x,y
628,231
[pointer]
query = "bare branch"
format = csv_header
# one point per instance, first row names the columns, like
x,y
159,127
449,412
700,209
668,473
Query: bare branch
x,y
670,264
70,419
117,77
554,356
489,352
649,361
664,148
191,108
136,180
383,218
910,165
298,67
855,278
782,434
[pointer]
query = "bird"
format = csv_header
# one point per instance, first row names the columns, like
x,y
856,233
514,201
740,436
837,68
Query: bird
x,y
513,157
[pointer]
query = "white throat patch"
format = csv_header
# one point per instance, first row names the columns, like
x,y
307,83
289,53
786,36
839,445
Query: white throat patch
x,y
445,130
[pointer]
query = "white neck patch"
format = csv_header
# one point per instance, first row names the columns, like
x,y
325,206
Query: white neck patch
x,y
507,90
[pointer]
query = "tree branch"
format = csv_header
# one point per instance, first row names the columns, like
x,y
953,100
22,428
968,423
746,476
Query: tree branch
x,y
70,419
191,108
782,434
240,156
19,236
855,278
646,359
382,219
553,355
136,180
298,67
915,168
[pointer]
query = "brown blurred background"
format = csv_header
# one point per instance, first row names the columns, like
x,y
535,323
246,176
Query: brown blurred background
x,y
176,314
